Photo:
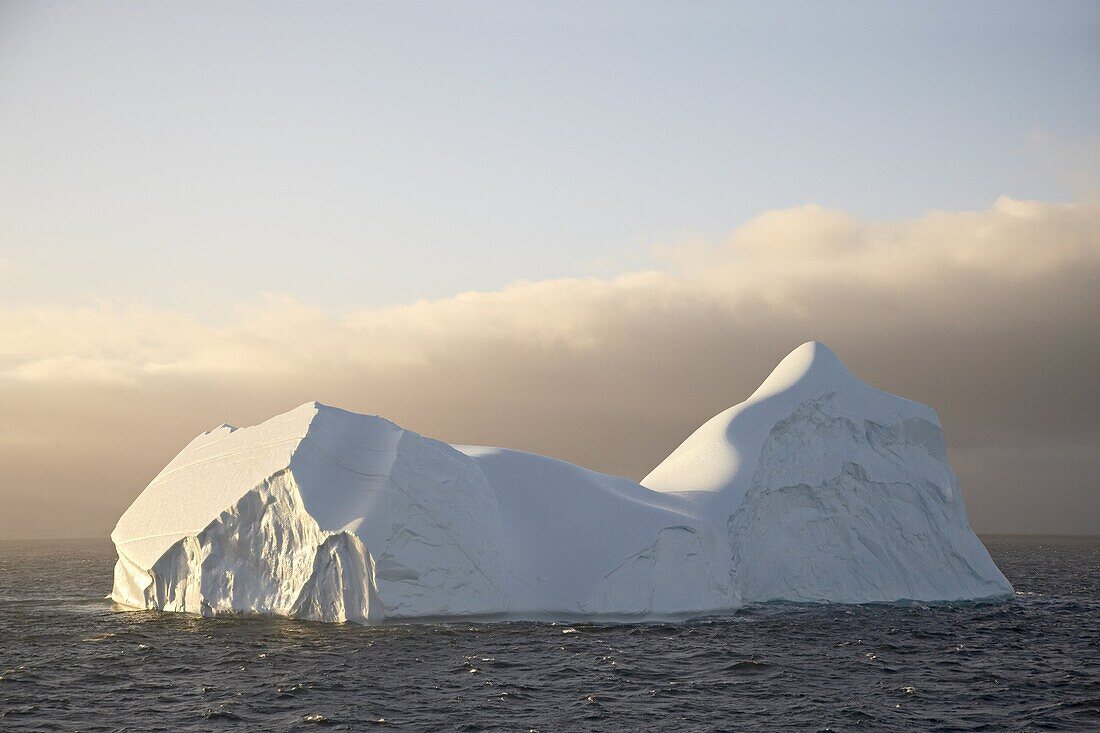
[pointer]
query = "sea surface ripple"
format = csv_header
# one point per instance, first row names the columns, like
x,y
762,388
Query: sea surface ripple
x,y
70,660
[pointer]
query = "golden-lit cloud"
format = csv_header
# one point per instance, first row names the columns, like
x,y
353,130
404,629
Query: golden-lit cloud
x,y
989,316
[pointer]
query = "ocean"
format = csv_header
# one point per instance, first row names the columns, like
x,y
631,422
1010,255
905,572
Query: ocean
x,y
70,660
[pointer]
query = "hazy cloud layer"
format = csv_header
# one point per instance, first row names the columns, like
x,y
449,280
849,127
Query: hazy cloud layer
x,y
991,317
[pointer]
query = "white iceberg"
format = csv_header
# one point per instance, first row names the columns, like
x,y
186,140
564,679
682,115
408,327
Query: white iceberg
x,y
817,488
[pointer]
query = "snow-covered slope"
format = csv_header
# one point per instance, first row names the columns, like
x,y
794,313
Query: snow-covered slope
x,y
816,488
580,543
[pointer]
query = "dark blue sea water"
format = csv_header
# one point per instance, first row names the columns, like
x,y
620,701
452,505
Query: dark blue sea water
x,y
69,661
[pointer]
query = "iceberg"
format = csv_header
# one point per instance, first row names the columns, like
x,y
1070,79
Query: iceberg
x,y
818,488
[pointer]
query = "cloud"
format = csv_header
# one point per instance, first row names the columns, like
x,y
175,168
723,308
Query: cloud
x,y
989,316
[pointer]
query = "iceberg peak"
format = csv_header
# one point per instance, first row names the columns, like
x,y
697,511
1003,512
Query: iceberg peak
x,y
720,456
813,364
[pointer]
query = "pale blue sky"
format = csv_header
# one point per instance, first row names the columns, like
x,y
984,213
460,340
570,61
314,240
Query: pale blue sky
x,y
359,154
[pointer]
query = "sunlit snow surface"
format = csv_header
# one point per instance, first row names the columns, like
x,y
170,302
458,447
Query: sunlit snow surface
x,y
817,488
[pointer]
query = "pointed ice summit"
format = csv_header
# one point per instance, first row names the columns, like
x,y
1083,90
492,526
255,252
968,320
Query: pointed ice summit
x,y
834,491
817,488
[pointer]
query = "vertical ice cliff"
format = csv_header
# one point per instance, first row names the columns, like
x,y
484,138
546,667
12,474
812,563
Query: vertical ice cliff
x,y
816,488
318,513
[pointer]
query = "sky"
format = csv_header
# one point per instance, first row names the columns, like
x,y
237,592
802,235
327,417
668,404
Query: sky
x,y
575,228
